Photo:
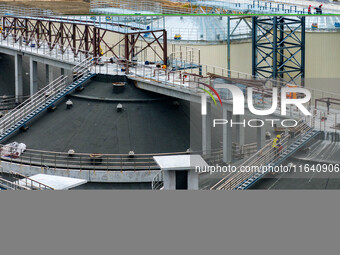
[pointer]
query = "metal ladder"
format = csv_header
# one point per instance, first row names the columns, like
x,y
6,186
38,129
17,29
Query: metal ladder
x,y
45,98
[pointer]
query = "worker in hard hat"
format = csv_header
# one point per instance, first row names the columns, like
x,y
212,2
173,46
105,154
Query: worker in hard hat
x,y
309,9
277,145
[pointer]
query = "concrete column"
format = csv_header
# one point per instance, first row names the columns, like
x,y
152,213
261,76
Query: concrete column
x,y
68,73
49,74
206,131
261,136
193,180
169,180
18,78
240,129
227,135
33,77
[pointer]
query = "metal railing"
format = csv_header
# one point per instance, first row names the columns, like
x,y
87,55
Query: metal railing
x,y
24,11
100,6
42,47
8,185
186,56
10,102
49,160
17,181
240,6
267,155
242,151
39,99
265,7
157,181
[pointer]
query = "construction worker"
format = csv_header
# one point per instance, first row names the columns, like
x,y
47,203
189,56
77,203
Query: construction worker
x,y
328,105
318,10
276,145
309,9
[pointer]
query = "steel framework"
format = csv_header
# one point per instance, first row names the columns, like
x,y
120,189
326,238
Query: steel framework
x,y
83,37
278,48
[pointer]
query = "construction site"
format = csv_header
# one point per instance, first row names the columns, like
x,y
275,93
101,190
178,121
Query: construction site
x,y
139,101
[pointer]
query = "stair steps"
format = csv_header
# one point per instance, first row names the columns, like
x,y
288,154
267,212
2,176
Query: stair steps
x,y
286,154
44,105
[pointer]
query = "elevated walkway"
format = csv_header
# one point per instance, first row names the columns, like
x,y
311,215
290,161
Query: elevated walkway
x,y
45,98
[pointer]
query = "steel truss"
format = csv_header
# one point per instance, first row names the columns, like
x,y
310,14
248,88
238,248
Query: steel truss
x,y
278,49
83,37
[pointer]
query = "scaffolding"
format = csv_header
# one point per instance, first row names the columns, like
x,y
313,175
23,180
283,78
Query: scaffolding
x,y
278,49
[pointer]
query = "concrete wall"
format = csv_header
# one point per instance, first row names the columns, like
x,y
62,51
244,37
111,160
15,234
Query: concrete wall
x,y
322,58
90,176
322,55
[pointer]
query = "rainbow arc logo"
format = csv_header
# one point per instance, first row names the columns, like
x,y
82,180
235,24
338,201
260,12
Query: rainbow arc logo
x,y
204,99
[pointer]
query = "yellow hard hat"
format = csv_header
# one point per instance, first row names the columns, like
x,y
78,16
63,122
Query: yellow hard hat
x,y
278,136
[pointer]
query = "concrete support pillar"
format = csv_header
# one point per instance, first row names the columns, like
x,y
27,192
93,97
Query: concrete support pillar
x,y
33,76
169,180
240,129
206,131
261,136
18,78
193,180
49,74
68,73
227,135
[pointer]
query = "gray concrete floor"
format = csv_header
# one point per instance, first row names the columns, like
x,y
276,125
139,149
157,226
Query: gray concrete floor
x,y
93,126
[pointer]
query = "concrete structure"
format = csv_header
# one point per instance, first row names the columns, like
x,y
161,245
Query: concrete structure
x,y
91,176
49,74
322,57
180,172
206,131
149,83
18,77
55,182
34,59
33,77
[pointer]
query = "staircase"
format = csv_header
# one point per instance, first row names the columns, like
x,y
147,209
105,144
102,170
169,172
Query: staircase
x,y
157,181
44,99
241,180
17,181
283,156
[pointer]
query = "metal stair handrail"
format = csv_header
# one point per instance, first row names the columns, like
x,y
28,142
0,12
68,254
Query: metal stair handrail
x,y
21,182
157,181
31,184
263,157
42,96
